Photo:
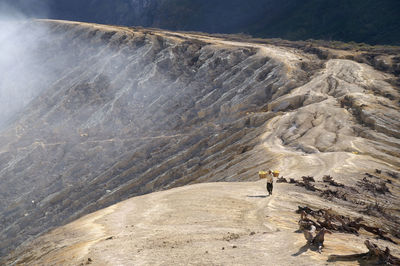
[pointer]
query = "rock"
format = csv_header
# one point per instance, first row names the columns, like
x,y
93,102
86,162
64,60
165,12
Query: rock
x,y
146,110
281,180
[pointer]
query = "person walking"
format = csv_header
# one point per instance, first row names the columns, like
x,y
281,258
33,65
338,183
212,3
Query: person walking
x,y
270,182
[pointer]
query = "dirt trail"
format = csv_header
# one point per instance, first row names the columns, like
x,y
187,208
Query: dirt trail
x,y
205,224
290,57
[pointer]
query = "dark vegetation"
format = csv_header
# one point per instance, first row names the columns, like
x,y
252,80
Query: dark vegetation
x,y
374,256
371,196
335,222
362,21
329,221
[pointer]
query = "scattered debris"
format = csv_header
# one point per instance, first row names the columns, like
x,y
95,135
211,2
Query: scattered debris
x,y
369,175
308,178
281,180
231,236
330,220
319,239
383,255
109,238
359,196
329,194
309,234
306,184
378,232
315,238
375,209
375,255
308,210
329,179
370,186
393,175
371,196
252,233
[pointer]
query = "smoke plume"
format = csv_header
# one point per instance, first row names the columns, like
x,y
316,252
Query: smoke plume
x,y
23,74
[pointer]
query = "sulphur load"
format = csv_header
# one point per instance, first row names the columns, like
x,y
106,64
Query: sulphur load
x,y
262,174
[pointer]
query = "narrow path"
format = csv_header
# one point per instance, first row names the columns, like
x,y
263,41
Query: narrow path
x,y
204,224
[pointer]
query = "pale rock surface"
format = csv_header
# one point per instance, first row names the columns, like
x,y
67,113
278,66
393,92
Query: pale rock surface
x,y
144,110
204,224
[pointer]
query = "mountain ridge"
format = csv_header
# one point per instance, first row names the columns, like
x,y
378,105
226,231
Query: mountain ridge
x,y
132,110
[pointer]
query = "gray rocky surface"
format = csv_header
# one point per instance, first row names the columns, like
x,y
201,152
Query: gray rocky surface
x,y
134,111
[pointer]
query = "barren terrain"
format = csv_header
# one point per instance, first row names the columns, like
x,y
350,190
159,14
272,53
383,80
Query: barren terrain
x,y
207,224
144,110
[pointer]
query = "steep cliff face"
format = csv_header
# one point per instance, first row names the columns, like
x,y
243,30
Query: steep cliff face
x,y
130,111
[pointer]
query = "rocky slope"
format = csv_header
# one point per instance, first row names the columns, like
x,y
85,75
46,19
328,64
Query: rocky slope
x,y
206,224
130,111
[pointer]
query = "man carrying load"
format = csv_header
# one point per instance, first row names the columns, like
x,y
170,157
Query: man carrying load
x,y
270,179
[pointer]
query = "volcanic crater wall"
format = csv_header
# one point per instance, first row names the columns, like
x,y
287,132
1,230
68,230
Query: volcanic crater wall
x,y
127,112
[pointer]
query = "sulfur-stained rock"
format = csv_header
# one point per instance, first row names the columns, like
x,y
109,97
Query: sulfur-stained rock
x,y
132,111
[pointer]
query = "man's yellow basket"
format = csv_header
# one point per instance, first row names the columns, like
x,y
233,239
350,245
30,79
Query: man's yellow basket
x,y
275,173
262,174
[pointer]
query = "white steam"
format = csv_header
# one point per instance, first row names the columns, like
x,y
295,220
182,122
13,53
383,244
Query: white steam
x,y
22,72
